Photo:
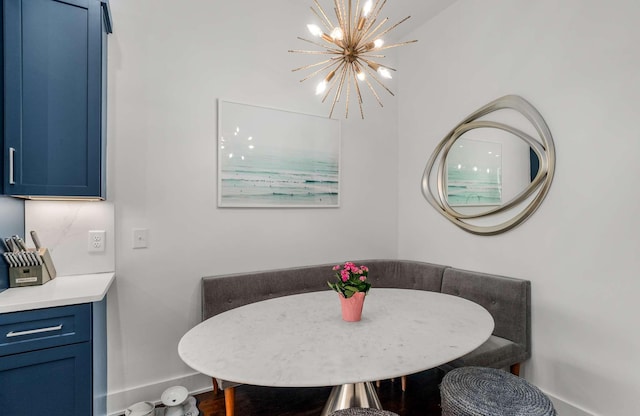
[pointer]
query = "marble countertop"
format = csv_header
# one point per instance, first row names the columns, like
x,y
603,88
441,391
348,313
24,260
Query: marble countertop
x,y
61,291
302,341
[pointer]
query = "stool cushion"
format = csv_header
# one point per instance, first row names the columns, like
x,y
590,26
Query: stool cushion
x,y
479,391
357,411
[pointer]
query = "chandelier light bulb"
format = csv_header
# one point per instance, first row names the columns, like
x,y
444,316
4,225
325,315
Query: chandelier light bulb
x,y
366,9
359,72
384,72
374,44
337,34
314,30
322,87
361,75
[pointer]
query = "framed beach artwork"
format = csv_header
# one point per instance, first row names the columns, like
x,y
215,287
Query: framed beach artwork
x,y
474,173
276,158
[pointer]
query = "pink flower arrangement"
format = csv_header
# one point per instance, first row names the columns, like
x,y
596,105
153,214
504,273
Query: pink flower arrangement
x,y
351,279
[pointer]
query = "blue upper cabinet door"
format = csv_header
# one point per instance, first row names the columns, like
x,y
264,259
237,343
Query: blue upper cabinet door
x,y
53,98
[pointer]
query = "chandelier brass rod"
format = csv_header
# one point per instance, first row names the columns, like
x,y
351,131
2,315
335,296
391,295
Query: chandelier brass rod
x,y
375,94
357,87
373,75
322,19
342,79
327,52
369,34
350,24
369,63
338,10
346,109
351,74
393,27
373,16
395,45
324,15
320,70
358,15
358,36
368,22
338,91
314,65
364,57
333,82
345,15
338,51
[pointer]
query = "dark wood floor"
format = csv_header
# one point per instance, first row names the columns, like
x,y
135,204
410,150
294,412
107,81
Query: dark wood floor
x,y
422,398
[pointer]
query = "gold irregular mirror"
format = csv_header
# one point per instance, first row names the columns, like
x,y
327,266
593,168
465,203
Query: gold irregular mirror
x,y
492,171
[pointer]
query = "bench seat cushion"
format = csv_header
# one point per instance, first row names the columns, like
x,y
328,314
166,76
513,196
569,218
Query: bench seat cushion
x,y
496,352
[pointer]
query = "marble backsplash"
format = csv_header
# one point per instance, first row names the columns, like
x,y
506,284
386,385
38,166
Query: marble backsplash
x,y
63,227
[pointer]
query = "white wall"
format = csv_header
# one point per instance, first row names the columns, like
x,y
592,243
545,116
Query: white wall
x,y
577,62
63,228
169,62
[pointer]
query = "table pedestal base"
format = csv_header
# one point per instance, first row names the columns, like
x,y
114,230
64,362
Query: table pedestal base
x,y
351,395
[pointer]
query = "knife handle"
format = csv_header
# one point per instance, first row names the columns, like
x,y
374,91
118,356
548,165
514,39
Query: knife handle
x,y
7,257
36,240
21,244
9,242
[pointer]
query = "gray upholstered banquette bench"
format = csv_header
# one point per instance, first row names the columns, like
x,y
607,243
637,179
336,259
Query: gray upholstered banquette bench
x,y
507,299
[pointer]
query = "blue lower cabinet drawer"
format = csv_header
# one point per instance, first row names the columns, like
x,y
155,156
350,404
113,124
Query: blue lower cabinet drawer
x,y
53,382
44,328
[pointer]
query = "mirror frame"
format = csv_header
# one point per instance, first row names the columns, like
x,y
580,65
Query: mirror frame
x,y
544,149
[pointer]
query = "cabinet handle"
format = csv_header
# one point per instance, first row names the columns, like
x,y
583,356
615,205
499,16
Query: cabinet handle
x,y
34,331
12,152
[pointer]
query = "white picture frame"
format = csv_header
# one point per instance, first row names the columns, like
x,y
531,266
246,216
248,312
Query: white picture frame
x,y
270,158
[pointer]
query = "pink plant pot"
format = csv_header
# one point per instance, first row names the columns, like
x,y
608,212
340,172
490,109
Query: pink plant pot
x,y
352,307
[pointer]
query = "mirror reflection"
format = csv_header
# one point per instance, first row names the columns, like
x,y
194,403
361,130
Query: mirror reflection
x,y
490,176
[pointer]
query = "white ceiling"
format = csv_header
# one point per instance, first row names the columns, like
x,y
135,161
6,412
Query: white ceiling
x,y
419,10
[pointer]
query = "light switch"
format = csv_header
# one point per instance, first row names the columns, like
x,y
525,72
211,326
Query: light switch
x,y
140,237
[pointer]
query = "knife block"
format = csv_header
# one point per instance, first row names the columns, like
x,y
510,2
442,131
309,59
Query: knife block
x,y
33,275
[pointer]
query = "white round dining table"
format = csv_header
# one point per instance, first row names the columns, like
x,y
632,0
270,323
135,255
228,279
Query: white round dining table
x,y
302,341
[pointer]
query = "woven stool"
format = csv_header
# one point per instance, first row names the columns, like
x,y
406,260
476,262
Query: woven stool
x,y
478,391
358,411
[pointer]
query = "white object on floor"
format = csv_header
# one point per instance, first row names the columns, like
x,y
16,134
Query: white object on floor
x,y
189,408
140,409
173,398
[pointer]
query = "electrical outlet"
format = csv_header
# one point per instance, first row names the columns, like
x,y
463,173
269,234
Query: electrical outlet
x,y
140,237
96,241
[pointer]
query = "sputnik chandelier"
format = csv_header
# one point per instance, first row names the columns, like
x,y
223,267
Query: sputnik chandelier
x,y
353,45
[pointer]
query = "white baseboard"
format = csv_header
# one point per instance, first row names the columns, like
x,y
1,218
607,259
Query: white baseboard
x,y
118,401
564,408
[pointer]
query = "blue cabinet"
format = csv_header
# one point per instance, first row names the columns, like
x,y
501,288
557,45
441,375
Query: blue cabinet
x,y
47,382
54,55
53,361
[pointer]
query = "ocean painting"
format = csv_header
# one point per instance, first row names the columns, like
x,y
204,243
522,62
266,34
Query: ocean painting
x,y
275,158
474,173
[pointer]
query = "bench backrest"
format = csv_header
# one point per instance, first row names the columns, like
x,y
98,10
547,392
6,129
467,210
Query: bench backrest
x,y
222,293
508,300
410,275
